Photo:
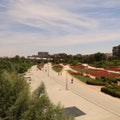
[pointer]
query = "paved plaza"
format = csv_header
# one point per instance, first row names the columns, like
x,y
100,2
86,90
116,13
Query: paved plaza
x,y
82,101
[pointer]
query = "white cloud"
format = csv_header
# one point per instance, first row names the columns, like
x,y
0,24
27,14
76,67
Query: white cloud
x,y
47,17
85,38
35,39
59,23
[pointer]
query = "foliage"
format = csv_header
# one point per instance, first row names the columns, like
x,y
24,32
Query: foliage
x,y
94,58
57,68
112,89
97,60
102,81
106,63
16,101
56,61
42,109
80,77
13,96
95,82
17,64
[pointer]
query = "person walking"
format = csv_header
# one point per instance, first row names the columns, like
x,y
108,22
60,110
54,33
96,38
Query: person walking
x,y
72,81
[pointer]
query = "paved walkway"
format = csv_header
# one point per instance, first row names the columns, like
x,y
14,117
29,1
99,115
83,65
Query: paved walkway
x,y
96,105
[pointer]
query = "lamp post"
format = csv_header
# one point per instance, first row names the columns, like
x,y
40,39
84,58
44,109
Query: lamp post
x,y
66,81
48,69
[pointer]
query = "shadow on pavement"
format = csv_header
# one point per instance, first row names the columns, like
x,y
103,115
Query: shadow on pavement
x,y
73,111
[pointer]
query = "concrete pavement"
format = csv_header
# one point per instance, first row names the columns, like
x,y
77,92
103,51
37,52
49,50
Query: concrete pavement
x,y
96,105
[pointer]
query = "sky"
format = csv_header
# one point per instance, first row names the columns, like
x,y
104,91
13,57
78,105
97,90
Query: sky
x,y
58,26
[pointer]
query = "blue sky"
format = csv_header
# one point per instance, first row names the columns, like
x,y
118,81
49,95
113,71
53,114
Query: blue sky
x,y
71,26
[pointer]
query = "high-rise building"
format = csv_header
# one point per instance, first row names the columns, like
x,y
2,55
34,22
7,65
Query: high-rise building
x,y
116,51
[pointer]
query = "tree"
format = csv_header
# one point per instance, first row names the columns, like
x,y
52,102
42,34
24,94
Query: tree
x,y
100,56
14,96
42,109
16,101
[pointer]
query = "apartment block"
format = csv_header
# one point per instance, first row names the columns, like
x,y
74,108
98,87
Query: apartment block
x,y
116,51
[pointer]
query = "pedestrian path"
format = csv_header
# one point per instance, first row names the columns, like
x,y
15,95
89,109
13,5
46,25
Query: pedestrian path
x,y
57,92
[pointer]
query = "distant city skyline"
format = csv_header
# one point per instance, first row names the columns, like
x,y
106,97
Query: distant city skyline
x,y
58,26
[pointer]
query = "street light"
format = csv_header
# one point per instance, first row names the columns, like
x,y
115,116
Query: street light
x,y
48,69
66,81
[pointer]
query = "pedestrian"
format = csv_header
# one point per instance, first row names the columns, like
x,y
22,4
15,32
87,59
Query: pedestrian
x,y
72,80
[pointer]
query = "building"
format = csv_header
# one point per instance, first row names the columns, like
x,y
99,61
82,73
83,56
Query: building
x,y
33,57
60,55
116,51
43,54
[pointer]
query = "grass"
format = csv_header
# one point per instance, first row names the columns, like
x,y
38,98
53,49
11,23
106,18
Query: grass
x,y
80,77
82,70
57,69
88,80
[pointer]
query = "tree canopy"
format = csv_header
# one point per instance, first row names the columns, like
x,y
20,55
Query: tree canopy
x,y
16,101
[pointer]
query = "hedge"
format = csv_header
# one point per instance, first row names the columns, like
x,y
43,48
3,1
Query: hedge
x,y
95,82
113,90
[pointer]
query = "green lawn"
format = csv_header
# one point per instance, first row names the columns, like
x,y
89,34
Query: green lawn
x,y
80,77
82,70
57,69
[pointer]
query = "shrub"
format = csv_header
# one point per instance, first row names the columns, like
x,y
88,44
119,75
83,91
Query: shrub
x,y
102,81
113,90
95,82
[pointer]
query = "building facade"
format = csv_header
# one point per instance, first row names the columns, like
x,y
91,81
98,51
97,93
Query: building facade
x,y
116,51
43,54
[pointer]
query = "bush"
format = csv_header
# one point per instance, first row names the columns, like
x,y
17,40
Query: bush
x,y
95,82
14,95
113,90
102,81
108,80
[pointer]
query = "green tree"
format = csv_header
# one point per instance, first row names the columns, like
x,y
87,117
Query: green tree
x,y
16,101
42,109
100,56
13,96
